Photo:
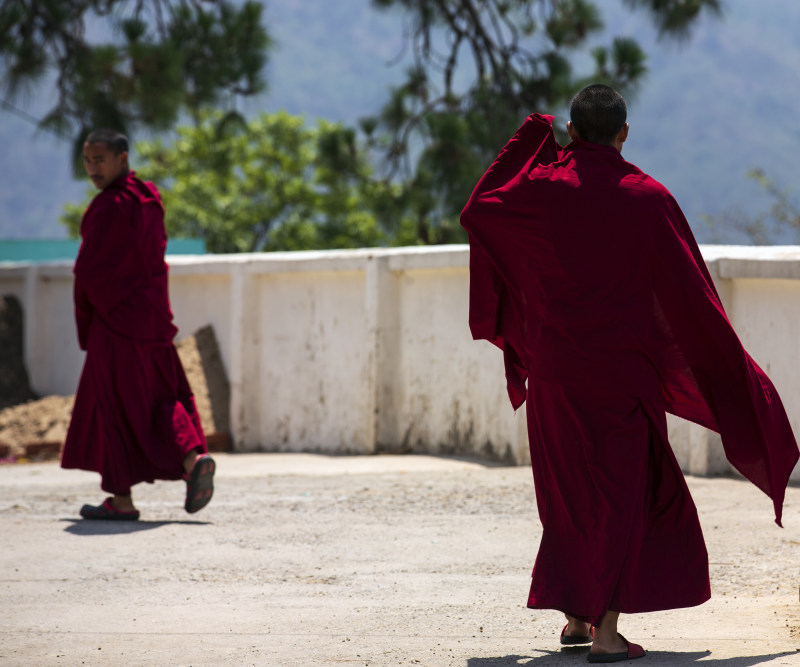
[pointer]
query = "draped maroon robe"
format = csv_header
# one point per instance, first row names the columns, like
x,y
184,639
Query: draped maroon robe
x,y
134,417
584,271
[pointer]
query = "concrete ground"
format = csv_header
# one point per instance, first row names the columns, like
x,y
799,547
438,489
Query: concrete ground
x,y
384,560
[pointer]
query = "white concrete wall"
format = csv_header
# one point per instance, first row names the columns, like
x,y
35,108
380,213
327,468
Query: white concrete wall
x,y
369,350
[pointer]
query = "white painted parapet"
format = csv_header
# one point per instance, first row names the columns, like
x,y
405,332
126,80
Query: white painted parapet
x,y
366,351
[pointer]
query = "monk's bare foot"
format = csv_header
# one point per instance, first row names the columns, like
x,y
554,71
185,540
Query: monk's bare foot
x,y
606,637
576,627
190,459
123,503
614,645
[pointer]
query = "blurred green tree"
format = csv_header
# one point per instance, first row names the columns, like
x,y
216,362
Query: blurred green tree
x,y
478,68
164,57
780,220
268,184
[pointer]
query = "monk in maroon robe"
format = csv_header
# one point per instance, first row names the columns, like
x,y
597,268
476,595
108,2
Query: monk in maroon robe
x,y
134,418
584,271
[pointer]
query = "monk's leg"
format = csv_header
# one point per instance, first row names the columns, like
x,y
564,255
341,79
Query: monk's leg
x,y
606,637
123,503
576,627
190,459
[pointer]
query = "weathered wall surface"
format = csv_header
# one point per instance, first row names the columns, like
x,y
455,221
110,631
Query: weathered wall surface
x,y
368,350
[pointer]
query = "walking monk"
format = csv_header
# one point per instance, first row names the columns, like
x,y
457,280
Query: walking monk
x,y
134,418
584,271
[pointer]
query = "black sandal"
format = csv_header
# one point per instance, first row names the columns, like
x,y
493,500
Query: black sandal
x,y
200,484
107,512
573,640
634,651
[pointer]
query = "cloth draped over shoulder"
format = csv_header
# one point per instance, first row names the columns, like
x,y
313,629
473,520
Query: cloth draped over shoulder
x,y
134,417
584,271
704,374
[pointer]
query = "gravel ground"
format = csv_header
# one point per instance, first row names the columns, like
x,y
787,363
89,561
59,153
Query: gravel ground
x,y
386,560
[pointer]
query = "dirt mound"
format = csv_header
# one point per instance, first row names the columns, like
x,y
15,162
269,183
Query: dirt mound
x,y
37,429
34,423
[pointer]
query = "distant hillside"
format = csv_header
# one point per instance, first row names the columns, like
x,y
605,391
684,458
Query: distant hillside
x,y
722,103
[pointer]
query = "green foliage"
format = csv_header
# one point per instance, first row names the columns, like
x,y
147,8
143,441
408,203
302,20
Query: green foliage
x,y
268,184
479,67
71,217
674,18
163,57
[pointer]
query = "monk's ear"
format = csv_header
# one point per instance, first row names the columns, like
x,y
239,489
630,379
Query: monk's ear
x,y
622,135
571,131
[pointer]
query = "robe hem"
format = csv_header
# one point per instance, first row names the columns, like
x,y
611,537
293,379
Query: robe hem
x,y
164,477
595,619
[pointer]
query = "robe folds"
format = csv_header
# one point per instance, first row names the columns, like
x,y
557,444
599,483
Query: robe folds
x,y
134,418
584,271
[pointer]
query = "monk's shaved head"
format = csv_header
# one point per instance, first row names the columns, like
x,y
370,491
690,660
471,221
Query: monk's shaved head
x,y
116,141
105,156
598,113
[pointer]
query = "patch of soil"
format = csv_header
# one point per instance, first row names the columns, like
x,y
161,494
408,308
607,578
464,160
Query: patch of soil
x,y
37,428
35,422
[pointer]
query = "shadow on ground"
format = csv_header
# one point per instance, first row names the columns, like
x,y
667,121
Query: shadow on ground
x,y
578,656
84,527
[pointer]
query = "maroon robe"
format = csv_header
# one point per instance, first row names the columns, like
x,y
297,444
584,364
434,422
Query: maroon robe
x,y
134,418
584,271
